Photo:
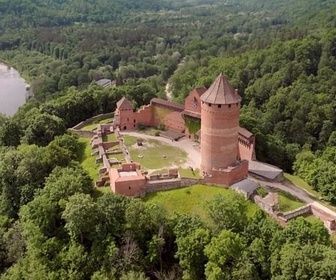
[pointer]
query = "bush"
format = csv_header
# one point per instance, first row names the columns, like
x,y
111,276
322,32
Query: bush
x,y
161,127
141,126
262,192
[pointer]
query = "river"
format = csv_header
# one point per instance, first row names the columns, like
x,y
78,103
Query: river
x,y
12,90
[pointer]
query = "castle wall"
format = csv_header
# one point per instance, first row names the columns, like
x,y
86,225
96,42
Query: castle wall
x,y
145,116
126,119
192,102
174,121
327,218
130,188
92,119
246,148
228,176
160,113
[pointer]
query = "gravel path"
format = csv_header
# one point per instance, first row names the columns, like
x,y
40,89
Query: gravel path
x,y
293,190
299,193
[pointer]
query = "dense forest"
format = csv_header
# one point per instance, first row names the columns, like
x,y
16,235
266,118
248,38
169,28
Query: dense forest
x,y
281,55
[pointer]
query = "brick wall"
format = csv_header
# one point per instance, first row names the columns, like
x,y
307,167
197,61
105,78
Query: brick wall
x,y
228,176
160,113
130,188
192,102
219,136
174,122
295,213
145,116
246,148
127,120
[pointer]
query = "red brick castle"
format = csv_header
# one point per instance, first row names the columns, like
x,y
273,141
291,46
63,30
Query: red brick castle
x,y
210,116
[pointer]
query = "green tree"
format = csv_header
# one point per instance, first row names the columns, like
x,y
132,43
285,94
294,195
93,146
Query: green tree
x,y
228,212
190,253
81,218
223,253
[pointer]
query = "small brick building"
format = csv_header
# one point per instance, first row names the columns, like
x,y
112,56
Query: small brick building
x,y
127,180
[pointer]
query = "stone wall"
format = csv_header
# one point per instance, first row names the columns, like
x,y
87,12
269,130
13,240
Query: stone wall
x,y
90,120
83,133
268,208
295,213
229,175
161,185
327,218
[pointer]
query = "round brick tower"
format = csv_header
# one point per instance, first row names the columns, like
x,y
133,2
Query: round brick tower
x,y
219,126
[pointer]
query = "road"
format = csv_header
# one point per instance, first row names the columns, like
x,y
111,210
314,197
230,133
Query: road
x,y
289,188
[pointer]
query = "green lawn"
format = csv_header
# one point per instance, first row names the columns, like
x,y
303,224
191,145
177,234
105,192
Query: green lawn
x,y
186,172
100,191
288,203
109,138
93,125
154,154
311,218
87,161
120,157
191,200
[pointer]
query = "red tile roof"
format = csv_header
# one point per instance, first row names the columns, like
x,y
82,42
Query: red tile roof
x,y
169,104
200,91
245,132
124,103
191,114
221,92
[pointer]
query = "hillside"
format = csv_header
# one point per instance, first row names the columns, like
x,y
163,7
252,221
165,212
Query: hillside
x,y
281,55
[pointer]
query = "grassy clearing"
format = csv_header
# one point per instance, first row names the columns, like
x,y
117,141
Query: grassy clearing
x,y
109,138
93,125
261,191
154,154
311,218
97,192
191,200
288,202
186,172
87,161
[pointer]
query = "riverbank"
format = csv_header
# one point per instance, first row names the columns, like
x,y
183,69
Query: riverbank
x,y
12,89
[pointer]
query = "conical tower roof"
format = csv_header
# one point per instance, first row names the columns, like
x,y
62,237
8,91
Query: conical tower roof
x,y
221,92
124,103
